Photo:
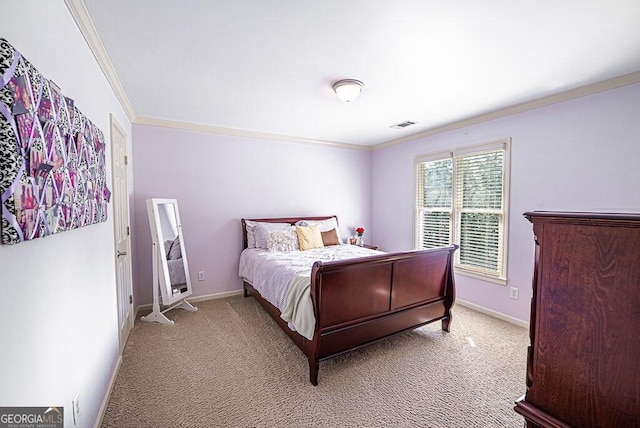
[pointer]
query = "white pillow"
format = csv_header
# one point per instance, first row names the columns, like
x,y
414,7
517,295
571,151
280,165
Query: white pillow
x,y
283,240
251,237
262,229
251,229
323,226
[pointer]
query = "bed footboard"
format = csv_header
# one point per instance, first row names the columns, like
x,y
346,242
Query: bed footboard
x,y
361,301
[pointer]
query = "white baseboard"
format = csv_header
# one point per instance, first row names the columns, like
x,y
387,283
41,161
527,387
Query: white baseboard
x,y
216,296
493,313
197,299
107,396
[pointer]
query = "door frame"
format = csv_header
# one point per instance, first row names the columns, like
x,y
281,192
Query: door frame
x,y
123,299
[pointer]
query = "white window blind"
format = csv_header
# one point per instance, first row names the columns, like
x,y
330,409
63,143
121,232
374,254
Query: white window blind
x,y
435,202
461,199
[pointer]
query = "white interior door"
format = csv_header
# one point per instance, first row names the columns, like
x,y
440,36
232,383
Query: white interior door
x,y
120,198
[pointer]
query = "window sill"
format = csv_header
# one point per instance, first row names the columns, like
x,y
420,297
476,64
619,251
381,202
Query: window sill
x,y
477,275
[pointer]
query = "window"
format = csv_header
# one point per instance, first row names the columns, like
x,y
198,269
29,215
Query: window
x,y
461,198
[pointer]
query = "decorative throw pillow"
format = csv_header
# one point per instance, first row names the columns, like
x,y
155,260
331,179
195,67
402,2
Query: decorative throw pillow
x,y
330,238
309,237
262,229
175,252
323,225
167,246
282,240
251,225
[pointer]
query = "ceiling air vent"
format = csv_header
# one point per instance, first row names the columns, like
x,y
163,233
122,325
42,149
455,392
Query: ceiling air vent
x,y
403,124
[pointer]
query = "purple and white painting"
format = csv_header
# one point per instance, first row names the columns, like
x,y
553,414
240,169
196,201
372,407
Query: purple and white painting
x,y
52,158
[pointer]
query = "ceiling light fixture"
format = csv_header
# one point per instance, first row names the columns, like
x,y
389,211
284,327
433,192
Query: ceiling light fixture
x,y
348,89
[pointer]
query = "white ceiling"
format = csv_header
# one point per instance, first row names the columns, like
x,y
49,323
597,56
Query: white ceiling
x,y
268,66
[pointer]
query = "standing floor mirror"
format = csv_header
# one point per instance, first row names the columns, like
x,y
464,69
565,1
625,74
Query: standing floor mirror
x,y
170,269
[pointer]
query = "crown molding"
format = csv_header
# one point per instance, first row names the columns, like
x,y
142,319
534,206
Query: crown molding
x,y
594,88
235,132
85,24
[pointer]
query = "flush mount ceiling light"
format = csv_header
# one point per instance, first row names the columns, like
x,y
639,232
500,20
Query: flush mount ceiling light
x,y
348,89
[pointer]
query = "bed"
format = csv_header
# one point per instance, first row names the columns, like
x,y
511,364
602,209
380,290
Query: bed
x,y
358,301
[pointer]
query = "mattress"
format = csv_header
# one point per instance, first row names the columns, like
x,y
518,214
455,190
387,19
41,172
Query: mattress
x,y
284,278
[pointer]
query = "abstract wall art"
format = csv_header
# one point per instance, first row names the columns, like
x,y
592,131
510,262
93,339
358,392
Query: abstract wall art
x,y
52,158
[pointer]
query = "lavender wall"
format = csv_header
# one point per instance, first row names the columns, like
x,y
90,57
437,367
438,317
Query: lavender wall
x,y
580,155
218,180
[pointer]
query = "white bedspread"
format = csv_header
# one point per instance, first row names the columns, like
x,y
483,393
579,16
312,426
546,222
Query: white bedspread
x,y
283,279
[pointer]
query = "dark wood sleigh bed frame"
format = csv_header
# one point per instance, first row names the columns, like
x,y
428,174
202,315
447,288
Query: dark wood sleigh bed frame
x,y
361,301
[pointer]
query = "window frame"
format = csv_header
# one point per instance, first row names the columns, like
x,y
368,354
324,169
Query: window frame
x,y
478,149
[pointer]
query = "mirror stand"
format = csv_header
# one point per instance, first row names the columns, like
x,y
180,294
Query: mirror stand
x,y
156,314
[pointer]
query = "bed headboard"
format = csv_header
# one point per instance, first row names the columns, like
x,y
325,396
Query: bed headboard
x,y
291,220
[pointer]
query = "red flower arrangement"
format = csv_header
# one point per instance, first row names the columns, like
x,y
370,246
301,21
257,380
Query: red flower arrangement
x,y
359,232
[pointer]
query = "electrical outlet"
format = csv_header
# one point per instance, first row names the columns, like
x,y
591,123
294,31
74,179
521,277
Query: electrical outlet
x,y
513,293
201,275
75,409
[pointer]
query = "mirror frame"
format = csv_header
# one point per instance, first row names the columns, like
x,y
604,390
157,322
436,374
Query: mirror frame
x,y
161,266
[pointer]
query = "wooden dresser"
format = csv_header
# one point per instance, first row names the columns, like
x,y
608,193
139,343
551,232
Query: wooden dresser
x,y
583,363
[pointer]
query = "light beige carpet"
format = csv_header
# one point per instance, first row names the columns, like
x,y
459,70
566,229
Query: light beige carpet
x,y
230,365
